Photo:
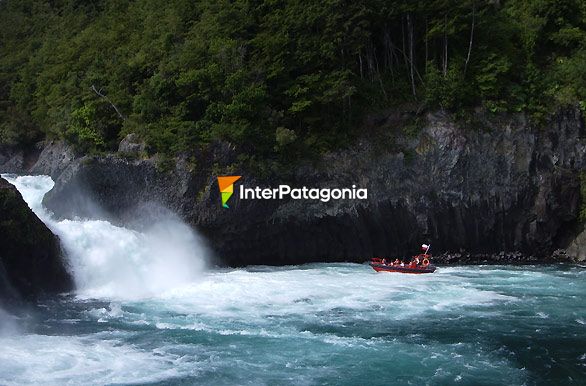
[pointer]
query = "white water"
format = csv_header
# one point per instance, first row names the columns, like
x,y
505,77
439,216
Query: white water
x,y
161,318
97,359
109,261
314,324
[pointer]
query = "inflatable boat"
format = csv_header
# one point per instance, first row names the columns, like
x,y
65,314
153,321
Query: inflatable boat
x,y
419,263
378,266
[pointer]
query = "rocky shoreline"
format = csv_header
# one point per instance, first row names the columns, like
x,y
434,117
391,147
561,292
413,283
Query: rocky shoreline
x,y
509,258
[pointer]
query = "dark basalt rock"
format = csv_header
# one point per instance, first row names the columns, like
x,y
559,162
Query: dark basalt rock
x,y
54,158
506,187
11,160
576,251
16,159
30,254
494,258
131,145
116,188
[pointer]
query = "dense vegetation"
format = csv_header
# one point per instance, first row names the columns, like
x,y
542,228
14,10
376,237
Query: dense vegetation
x,y
276,78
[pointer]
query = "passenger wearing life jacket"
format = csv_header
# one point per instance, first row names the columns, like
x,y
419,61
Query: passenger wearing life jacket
x,y
414,262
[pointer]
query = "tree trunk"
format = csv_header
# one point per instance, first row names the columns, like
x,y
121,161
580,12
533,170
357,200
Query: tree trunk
x,y
389,48
380,81
411,56
471,37
445,64
403,41
426,46
360,60
370,62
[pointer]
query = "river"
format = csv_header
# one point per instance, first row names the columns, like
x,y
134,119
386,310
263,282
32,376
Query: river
x,y
150,309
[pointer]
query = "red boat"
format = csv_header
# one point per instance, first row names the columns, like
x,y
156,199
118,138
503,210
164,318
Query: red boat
x,y
419,264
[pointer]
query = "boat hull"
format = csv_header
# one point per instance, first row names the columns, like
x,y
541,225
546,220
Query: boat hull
x,y
391,268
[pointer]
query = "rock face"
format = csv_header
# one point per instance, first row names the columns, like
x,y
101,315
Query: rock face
x,y
131,144
53,159
30,255
499,185
17,160
115,188
577,248
11,160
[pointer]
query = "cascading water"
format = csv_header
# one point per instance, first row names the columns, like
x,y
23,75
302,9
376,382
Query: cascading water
x,y
109,261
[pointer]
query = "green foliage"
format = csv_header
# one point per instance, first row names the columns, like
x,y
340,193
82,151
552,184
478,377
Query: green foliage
x,y
165,163
413,127
277,79
448,91
16,128
81,132
284,137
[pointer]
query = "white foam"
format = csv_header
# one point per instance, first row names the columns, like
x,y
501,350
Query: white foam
x,y
89,360
314,294
109,261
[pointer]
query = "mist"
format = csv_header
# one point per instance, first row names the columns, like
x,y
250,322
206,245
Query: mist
x,y
158,252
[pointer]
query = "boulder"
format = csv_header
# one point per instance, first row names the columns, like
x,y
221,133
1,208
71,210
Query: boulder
x,y
54,158
577,249
31,261
131,145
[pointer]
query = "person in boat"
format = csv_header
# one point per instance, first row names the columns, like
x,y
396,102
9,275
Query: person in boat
x,y
384,261
397,262
414,262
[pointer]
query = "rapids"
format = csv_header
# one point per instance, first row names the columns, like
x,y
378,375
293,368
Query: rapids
x,y
149,310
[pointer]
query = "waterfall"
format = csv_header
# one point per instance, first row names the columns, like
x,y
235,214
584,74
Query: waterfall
x,y
110,261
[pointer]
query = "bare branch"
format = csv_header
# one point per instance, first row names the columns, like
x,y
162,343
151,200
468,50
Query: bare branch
x,y
411,55
100,94
471,36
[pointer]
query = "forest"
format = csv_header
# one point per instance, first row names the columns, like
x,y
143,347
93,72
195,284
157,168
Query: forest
x,y
277,79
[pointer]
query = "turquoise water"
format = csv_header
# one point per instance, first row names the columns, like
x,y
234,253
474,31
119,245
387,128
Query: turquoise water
x,y
149,309
317,324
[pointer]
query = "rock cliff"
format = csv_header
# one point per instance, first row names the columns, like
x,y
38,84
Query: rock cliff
x,y
499,184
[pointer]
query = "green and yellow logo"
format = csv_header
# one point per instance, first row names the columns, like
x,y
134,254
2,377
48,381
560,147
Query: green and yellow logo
x,y
226,185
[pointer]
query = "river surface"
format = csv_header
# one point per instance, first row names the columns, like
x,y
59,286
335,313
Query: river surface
x,y
148,309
